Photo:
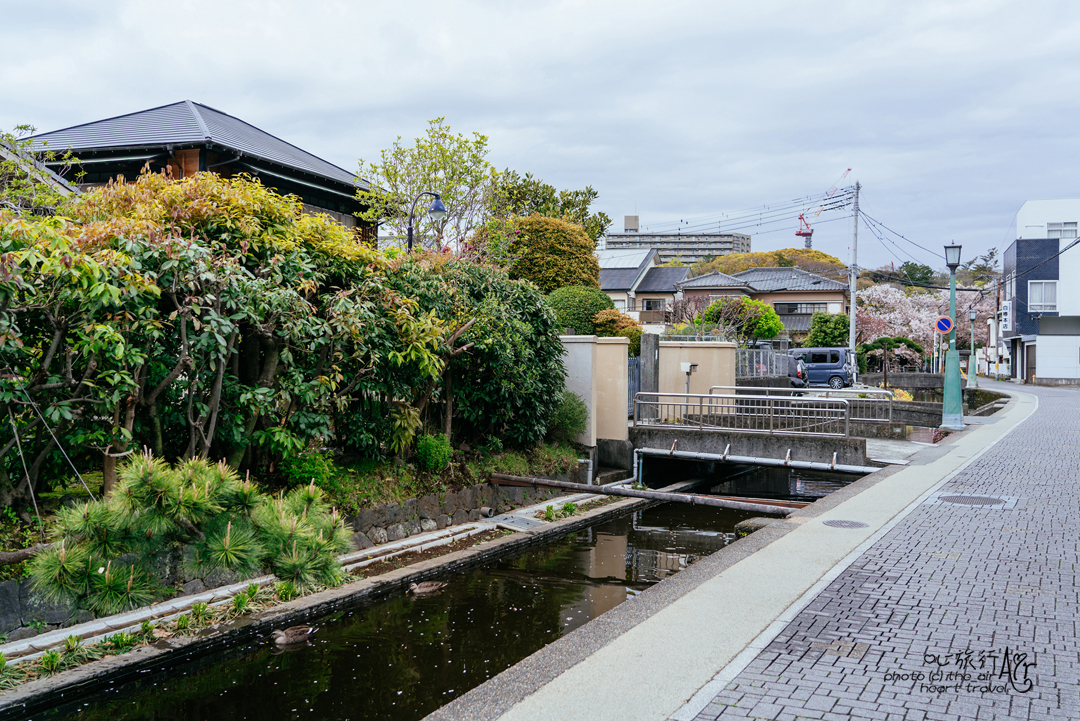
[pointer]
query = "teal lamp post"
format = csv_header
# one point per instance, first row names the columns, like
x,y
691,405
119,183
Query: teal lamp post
x,y
952,411
973,365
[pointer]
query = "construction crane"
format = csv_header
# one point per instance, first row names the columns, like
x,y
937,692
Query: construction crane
x,y
805,231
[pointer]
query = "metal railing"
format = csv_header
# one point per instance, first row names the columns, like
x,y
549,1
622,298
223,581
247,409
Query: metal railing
x,y
760,363
747,413
867,404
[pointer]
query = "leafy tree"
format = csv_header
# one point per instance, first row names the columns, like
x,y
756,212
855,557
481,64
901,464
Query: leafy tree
x,y
916,273
980,270
576,306
828,331
513,195
748,319
507,380
613,324
26,185
454,166
219,521
902,351
199,317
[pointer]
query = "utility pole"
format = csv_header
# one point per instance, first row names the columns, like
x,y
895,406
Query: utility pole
x,y
852,280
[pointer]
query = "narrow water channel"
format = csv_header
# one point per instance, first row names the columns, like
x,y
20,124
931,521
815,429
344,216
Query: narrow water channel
x,y
402,657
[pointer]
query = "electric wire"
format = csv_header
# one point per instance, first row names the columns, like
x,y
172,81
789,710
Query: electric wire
x,y
746,217
26,472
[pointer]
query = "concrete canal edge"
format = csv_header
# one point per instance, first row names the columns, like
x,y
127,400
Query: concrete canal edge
x,y
39,695
648,657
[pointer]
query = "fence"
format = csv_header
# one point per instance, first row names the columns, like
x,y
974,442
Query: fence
x,y
806,415
760,363
873,405
633,377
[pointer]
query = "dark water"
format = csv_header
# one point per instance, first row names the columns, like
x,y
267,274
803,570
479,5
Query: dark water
x,y
791,484
402,657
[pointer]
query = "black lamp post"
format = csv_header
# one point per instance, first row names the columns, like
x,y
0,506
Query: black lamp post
x,y
436,211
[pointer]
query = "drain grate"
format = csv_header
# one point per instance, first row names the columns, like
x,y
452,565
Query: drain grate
x,y
846,524
972,500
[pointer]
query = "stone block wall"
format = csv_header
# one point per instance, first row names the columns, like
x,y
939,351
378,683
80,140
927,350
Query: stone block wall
x,y
397,521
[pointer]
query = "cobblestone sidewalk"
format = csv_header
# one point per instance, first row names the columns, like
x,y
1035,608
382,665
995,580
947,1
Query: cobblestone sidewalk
x,y
966,609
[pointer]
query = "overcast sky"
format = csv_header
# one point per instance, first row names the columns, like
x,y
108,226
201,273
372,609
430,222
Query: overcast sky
x,y
950,114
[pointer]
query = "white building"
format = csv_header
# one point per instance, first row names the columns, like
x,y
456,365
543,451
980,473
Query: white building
x,y
1040,309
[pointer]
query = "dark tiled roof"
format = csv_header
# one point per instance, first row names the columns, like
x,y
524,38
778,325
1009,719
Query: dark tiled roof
x,y
623,278
796,323
662,280
617,278
770,280
715,279
187,123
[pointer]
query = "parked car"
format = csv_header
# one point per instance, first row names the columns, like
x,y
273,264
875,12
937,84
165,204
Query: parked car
x,y
825,366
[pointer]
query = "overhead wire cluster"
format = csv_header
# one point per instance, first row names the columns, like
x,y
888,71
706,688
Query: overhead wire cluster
x,y
786,212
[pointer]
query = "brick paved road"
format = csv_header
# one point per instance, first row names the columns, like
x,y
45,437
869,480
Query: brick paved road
x,y
953,589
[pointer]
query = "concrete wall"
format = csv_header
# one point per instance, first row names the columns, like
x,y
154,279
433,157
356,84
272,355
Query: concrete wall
x,y
612,387
715,366
850,451
596,371
1058,357
905,380
580,363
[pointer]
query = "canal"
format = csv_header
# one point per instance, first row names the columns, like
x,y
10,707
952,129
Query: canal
x,y
401,657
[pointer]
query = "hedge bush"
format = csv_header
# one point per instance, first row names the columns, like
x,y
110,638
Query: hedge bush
x,y
575,307
552,253
571,419
613,324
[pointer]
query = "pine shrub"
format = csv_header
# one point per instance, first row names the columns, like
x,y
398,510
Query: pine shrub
x,y
104,561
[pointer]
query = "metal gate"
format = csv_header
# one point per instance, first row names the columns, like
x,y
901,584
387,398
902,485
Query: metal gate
x,y
633,376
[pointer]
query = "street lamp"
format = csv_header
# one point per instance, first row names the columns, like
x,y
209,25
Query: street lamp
x,y
973,365
952,409
436,211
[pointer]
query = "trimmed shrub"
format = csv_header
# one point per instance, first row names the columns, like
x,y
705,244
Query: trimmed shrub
x,y
747,318
433,452
576,306
312,467
571,419
613,324
552,253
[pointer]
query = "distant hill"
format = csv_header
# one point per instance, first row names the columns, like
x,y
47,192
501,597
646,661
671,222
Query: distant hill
x,y
812,261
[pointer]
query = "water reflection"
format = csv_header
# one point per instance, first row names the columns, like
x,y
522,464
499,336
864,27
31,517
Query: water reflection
x,y
790,484
405,656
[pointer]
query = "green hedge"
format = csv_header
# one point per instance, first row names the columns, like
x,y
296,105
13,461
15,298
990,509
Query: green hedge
x,y
576,306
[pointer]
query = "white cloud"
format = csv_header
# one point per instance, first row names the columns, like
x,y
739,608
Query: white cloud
x,y
951,114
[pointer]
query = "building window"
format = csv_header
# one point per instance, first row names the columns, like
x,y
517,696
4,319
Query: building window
x,y
654,304
1042,296
801,308
620,305
1061,230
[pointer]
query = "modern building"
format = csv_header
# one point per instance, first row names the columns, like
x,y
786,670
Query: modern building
x,y
688,248
1039,315
188,137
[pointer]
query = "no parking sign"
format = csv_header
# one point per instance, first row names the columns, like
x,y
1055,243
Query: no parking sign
x,y
943,324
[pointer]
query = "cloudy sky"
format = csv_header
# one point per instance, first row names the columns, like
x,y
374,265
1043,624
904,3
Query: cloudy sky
x,y
950,114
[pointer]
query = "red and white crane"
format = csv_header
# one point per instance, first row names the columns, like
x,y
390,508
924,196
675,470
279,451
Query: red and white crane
x,y
805,231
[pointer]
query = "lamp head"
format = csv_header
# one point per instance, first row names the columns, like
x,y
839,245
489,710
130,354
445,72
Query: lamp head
x,y
952,257
972,315
437,211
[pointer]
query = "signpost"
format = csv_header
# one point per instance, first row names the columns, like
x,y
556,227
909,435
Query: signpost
x,y
943,324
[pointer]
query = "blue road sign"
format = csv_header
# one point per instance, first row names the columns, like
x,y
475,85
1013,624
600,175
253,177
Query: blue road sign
x,y
943,324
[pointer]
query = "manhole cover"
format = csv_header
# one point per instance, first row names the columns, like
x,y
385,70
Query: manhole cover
x,y
516,523
846,524
972,500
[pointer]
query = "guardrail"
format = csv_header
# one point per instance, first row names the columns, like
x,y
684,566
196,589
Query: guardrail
x,y
867,404
770,414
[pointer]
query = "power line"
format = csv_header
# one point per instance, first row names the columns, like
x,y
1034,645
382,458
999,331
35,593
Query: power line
x,y
737,217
